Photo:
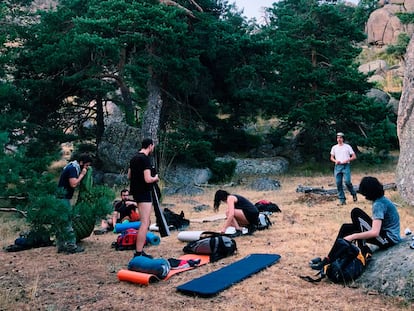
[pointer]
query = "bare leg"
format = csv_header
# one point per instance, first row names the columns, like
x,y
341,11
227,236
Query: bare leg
x,y
145,212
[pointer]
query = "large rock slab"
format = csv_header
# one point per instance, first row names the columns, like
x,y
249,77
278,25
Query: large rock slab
x,y
383,26
391,272
119,144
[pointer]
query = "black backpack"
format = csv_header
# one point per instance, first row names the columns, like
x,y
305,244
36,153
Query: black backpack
x,y
174,220
267,206
346,264
216,245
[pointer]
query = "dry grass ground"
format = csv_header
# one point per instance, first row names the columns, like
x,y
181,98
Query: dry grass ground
x,y
41,279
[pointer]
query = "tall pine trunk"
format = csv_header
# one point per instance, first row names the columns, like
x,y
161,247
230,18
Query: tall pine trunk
x,y
152,113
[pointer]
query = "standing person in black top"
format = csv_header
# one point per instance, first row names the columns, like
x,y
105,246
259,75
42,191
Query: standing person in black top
x,y
240,211
139,174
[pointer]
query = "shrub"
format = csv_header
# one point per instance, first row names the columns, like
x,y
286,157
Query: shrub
x,y
222,171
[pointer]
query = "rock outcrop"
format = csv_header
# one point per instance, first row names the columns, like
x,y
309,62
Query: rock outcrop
x,y
119,144
383,25
405,130
391,272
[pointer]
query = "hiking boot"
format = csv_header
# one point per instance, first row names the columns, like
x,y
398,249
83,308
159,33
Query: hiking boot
x,y
342,203
142,253
354,197
70,249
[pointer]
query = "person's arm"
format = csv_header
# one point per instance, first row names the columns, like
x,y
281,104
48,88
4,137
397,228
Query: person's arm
x,y
231,201
353,157
74,182
333,159
148,178
373,233
131,203
115,216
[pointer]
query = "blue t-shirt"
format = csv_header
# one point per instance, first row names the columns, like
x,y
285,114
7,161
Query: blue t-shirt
x,y
386,211
69,171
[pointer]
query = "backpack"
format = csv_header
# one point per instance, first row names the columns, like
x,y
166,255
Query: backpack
x,y
346,264
263,222
126,240
174,220
267,206
216,245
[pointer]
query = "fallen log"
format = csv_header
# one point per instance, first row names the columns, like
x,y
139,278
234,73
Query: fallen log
x,y
323,191
12,209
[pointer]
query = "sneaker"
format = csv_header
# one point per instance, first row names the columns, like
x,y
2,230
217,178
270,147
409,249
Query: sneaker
x,y
194,262
354,197
342,203
142,253
315,260
319,265
100,231
237,233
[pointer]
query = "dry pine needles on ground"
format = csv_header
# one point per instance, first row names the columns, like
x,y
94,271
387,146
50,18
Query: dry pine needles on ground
x,y
41,279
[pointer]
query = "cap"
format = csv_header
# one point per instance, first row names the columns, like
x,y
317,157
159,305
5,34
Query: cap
x,y
340,134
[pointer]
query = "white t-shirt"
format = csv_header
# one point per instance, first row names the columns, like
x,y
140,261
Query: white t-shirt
x,y
342,153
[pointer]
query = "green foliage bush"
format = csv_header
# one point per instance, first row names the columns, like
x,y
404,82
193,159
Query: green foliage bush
x,y
48,212
230,139
223,171
187,146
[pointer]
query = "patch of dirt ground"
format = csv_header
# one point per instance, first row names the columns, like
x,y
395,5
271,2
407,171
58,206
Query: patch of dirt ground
x,y
41,279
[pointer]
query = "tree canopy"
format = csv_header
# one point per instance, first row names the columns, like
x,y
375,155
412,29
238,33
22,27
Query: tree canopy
x,y
209,72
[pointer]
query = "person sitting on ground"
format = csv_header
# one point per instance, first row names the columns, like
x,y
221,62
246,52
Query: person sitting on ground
x,y
240,211
383,230
124,210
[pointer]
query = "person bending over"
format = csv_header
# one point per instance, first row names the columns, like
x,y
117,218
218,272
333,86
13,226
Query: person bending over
x,y
240,211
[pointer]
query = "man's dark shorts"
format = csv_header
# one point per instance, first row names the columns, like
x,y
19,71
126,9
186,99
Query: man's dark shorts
x,y
143,197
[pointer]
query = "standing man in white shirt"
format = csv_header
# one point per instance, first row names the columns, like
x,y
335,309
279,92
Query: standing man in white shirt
x,y
342,154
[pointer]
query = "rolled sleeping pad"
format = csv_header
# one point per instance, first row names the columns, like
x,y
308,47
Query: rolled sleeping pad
x,y
136,277
127,225
157,266
153,239
189,236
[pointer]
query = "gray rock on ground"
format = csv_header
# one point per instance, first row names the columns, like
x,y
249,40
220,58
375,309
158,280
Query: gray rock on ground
x,y
391,271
